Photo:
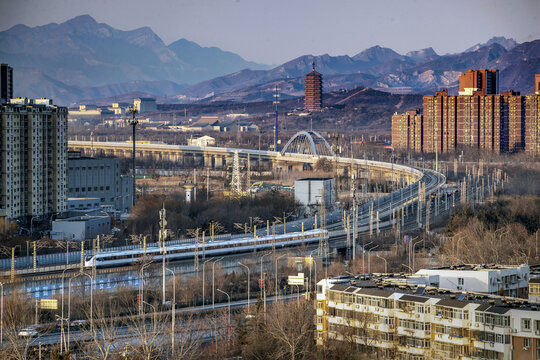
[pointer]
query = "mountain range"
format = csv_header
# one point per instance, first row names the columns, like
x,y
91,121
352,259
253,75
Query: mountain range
x,y
83,61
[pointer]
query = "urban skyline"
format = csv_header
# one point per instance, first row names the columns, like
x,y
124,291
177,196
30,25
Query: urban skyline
x,y
379,206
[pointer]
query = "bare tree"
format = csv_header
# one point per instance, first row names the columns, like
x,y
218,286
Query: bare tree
x,y
104,332
291,325
188,336
19,315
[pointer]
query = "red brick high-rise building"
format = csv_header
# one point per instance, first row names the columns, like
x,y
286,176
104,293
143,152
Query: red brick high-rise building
x,y
404,134
532,124
515,115
481,82
313,91
468,120
439,128
505,122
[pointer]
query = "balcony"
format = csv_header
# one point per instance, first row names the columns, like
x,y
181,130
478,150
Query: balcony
x,y
490,345
379,327
413,332
452,339
412,350
450,322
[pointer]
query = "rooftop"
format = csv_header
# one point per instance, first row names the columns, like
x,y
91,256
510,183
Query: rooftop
x,y
475,267
384,285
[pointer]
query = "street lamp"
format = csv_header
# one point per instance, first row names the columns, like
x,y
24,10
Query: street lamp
x,y
411,250
263,287
141,286
407,267
363,256
315,275
229,318
133,123
369,258
213,279
248,284
203,279
153,308
279,257
298,293
32,224
62,318
69,303
385,263
173,306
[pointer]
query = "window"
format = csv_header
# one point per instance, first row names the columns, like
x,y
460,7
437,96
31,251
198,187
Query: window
x,y
526,342
460,281
525,324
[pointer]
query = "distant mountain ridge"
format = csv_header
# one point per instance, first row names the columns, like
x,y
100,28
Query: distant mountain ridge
x,y
421,71
81,60
508,44
82,53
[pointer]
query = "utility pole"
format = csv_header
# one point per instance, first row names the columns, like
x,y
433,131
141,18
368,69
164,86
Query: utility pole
x,y
133,123
207,183
336,150
248,175
235,180
276,103
196,258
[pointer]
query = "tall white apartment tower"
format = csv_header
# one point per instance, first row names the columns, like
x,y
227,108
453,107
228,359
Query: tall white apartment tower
x,y
33,147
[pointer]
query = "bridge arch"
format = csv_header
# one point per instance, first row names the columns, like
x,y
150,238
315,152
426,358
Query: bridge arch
x,y
308,143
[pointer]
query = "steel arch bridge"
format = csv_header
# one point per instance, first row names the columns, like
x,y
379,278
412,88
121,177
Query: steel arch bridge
x,y
308,143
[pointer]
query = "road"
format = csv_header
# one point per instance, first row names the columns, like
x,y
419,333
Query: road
x,y
125,332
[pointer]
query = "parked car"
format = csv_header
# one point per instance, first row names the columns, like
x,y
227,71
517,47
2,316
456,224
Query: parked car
x,y
30,331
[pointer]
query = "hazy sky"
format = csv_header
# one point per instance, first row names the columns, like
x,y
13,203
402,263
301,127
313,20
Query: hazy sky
x,y
274,31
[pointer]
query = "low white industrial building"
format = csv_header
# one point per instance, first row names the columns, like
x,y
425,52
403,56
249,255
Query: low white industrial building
x,y
309,191
80,228
202,141
491,279
144,105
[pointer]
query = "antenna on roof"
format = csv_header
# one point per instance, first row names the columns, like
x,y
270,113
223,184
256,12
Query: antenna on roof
x,y
313,63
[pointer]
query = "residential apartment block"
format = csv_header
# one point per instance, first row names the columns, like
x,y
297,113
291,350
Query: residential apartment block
x,y
33,145
482,82
532,124
411,322
477,118
403,129
6,83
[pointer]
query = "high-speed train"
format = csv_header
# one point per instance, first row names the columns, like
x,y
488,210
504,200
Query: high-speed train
x,y
211,248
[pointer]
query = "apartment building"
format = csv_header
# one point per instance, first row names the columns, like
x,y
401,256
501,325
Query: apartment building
x,y
33,145
6,83
412,322
482,82
532,124
403,130
479,117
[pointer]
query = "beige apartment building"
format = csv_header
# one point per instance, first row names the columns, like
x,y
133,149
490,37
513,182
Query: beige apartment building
x,y
394,320
33,145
